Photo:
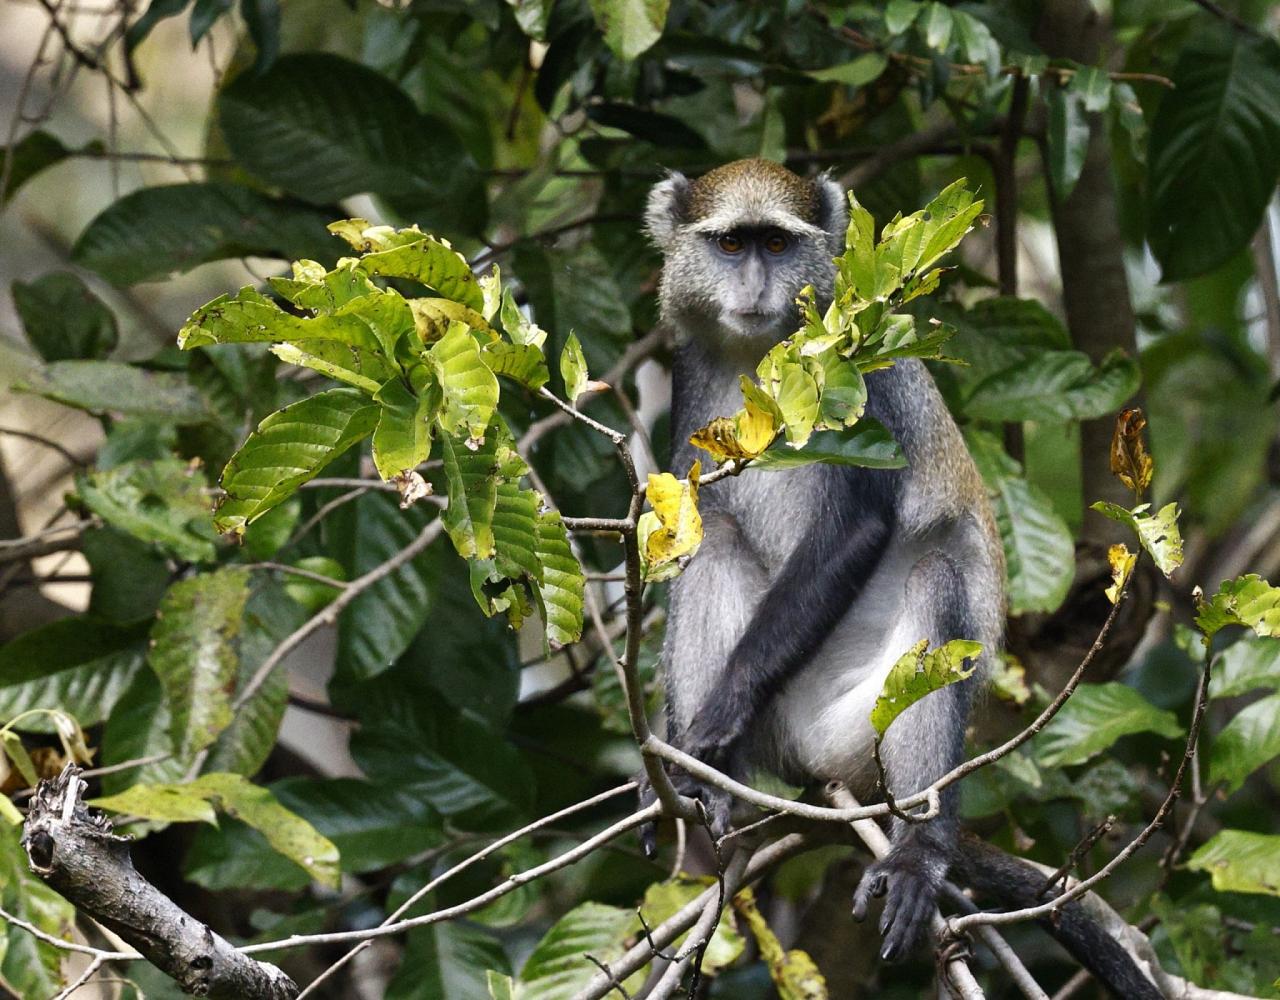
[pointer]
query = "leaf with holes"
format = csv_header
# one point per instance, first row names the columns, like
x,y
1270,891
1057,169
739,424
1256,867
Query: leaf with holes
x,y
918,672
1158,532
1247,600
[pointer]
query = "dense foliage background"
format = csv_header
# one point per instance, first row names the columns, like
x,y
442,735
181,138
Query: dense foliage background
x,y
1128,153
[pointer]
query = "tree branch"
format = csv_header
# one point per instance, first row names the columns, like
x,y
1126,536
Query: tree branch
x,y
77,855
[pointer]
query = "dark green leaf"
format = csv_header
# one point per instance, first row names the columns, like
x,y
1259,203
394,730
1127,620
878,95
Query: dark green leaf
x,y
129,576
33,153
325,128
1214,153
1244,666
63,319
79,666
867,443
157,231
447,961
1054,386
262,18
113,387
1068,137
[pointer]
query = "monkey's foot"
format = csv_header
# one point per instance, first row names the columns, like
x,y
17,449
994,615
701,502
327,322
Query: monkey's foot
x,y
910,883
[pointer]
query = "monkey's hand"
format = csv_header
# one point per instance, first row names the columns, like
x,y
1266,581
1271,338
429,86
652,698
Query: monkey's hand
x,y
909,877
716,802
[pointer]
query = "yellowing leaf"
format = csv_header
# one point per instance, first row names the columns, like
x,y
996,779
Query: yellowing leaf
x,y
794,973
674,532
1130,460
917,673
664,899
1247,600
1122,562
744,435
1240,861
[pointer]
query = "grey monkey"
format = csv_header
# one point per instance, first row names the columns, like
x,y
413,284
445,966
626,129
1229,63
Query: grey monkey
x,y
811,583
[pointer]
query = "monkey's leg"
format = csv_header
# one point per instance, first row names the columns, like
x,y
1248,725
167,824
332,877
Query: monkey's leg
x,y
711,604
926,742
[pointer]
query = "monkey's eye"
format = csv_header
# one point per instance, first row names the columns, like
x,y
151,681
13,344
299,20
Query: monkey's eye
x,y
776,243
730,243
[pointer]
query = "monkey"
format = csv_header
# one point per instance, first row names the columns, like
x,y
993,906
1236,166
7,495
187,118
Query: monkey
x,y
809,584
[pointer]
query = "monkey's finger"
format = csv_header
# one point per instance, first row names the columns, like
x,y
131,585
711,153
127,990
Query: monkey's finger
x,y
649,840
908,918
872,884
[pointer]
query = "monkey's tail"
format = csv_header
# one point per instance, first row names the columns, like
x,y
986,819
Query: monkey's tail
x,y
1008,881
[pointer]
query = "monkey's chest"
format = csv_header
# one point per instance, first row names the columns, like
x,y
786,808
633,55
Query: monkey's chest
x,y
774,511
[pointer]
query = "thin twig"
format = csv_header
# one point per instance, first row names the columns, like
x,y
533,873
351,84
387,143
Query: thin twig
x,y
65,452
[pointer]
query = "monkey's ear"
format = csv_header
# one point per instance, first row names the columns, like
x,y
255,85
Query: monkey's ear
x,y
668,208
833,210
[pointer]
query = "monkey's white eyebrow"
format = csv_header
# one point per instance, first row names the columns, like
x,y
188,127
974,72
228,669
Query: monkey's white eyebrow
x,y
727,221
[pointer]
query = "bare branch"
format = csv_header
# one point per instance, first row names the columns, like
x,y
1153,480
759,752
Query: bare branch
x,y
77,855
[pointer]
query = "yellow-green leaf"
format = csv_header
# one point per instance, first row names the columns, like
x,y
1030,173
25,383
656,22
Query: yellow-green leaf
x,y
919,672
1247,600
470,388
573,369
1240,861
663,900
471,476
1158,533
402,438
561,589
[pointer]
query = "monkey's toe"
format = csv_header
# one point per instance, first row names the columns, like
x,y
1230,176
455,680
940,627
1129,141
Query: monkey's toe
x,y
910,896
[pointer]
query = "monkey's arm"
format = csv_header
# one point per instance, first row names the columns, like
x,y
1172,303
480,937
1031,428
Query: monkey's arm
x,y
815,589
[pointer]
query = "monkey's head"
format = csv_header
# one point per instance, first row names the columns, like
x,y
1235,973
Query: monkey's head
x,y
740,242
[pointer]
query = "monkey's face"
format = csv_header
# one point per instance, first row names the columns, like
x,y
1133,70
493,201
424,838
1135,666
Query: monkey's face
x,y
740,282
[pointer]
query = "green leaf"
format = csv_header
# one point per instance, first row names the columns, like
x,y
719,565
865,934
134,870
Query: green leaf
x,y
1214,151
113,387
157,231
290,447
976,42
379,625
287,833
473,495
447,961
402,438
662,900
501,986
1240,861
918,672
1055,386
1250,740
63,319
31,967
1158,533
373,826
251,317
899,14
573,369
262,18
462,767
857,73
1068,137
36,151
630,26
524,363
165,502
1244,666
936,26
1247,600
425,260
558,968
561,588
325,128
470,388
74,664
1094,718
235,856
192,654
1038,547
1094,87
867,443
